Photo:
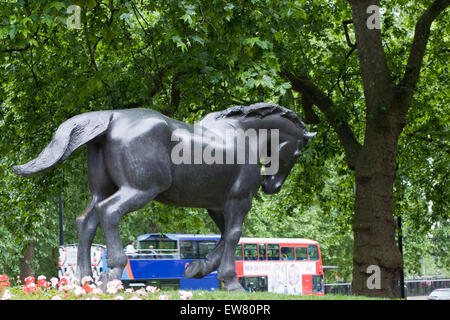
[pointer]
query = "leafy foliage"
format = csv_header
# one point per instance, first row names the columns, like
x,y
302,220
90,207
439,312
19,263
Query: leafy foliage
x,y
187,58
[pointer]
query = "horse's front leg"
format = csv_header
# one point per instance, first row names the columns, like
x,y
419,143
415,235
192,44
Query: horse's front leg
x,y
234,214
200,268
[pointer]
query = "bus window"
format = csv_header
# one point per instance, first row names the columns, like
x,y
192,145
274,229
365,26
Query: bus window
x,y
188,250
287,253
313,252
317,284
157,249
262,251
238,254
250,252
301,253
273,252
205,247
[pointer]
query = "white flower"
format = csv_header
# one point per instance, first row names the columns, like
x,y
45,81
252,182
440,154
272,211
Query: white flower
x,y
141,292
79,291
152,289
163,297
54,281
42,277
185,295
129,290
118,298
56,298
67,287
97,291
111,290
6,295
114,284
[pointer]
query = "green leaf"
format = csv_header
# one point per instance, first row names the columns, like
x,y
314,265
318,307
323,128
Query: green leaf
x,y
186,18
251,41
33,42
179,43
57,5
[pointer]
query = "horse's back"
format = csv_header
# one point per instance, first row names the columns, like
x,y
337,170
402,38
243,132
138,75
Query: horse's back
x,y
137,149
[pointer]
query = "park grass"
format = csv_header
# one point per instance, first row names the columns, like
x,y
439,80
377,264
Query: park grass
x,y
224,295
17,294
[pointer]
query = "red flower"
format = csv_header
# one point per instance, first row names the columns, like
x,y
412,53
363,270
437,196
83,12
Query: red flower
x,y
63,281
30,288
42,283
87,288
29,280
4,281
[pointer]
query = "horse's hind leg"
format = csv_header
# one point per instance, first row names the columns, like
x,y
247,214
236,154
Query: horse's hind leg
x,y
111,210
203,267
86,225
101,187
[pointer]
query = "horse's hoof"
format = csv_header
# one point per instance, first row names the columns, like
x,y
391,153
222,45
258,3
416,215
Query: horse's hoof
x,y
233,285
195,269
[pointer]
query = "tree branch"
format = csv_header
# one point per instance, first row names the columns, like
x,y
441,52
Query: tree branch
x,y
315,96
421,35
10,50
310,115
347,36
372,60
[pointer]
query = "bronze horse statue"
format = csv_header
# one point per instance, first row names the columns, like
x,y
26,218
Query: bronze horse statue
x,y
130,162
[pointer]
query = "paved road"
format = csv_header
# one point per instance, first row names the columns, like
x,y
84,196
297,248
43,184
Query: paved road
x,y
417,298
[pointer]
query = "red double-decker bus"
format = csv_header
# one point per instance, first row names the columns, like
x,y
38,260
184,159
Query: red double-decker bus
x,y
283,265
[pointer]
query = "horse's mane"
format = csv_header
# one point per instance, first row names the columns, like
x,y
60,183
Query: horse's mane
x,y
261,110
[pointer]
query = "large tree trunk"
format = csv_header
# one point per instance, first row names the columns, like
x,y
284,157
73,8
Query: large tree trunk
x,y
377,262
25,263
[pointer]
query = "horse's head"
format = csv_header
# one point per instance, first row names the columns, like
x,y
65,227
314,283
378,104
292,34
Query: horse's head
x,y
289,150
285,146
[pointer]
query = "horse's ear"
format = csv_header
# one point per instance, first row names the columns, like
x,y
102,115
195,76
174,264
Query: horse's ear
x,y
309,135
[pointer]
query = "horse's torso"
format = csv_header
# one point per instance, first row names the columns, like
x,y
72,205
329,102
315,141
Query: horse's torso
x,y
138,150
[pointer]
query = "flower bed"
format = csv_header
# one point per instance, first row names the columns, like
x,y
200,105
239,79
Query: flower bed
x,y
70,289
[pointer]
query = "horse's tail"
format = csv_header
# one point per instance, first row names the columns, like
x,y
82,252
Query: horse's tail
x,y
70,135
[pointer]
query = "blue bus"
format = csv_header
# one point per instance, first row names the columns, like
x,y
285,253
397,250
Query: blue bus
x,y
160,260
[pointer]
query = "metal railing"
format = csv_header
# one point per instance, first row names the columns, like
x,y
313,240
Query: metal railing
x,y
338,288
414,287
154,254
423,287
